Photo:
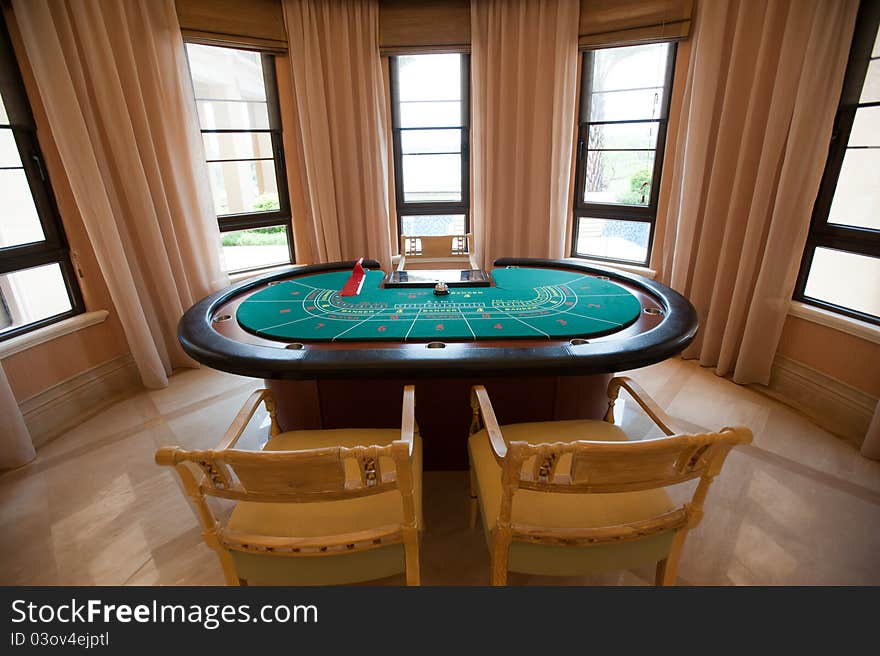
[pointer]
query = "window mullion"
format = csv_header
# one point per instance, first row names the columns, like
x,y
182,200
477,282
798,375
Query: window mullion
x,y
855,240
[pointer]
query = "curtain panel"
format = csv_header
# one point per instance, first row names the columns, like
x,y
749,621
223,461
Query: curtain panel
x,y
871,445
114,81
339,112
523,71
756,120
16,446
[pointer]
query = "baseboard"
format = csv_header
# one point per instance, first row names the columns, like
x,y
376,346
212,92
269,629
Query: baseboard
x,y
70,402
836,406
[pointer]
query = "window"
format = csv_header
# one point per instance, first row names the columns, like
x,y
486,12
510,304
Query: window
x,y
37,282
430,112
621,135
840,270
237,99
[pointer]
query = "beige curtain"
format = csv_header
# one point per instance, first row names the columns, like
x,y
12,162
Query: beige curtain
x,y
114,81
871,445
756,120
340,115
16,447
524,70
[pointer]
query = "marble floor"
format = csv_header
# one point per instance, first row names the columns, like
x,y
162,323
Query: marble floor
x,y
797,507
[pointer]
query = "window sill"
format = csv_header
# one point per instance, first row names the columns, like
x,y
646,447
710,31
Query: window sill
x,y
836,321
629,268
245,275
50,332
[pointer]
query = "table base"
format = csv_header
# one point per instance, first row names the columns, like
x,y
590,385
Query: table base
x,y
442,406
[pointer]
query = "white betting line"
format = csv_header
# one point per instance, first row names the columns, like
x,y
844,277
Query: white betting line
x,y
317,289
350,329
526,323
584,316
466,323
406,337
287,323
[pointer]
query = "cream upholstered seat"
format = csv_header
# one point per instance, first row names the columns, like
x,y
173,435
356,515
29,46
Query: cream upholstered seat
x,y
313,507
573,497
567,510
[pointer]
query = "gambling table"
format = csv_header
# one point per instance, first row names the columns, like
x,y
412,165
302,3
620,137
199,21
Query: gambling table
x,y
544,336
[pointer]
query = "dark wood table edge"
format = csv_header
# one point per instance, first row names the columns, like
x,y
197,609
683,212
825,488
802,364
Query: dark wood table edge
x,y
672,335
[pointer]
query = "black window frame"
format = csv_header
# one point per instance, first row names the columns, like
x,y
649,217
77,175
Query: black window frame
x,y
54,249
615,211
822,234
460,207
283,216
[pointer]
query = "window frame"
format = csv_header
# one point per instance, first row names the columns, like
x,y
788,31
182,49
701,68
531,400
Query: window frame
x,y
54,249
461,207
822,234
283,216
614,211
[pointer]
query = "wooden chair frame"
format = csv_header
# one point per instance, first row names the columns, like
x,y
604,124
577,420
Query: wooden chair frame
x,y
306,476
602,467
441,247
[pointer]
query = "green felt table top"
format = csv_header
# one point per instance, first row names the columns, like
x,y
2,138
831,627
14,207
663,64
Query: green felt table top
x,y
524,303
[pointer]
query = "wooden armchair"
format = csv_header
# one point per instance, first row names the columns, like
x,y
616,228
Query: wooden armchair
x,y
313,507
436,252
573,497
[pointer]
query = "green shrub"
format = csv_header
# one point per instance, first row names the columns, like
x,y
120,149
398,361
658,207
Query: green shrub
x,y
272,236
639,186
265,203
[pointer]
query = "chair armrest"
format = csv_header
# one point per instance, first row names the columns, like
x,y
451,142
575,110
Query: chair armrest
x,y
233,433
166,456
408,417
482,407
663,421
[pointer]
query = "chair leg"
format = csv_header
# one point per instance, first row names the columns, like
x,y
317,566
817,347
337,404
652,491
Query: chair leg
x,y
499,569
667,569
500,555
474,502
413,575
226,561
660,575
411,555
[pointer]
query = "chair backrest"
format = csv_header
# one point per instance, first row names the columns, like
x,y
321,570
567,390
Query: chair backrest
x,y
314,475
435,246
585,467
326,474
602,467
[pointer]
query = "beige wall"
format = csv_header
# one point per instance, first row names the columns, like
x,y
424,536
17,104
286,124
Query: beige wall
x,y
45,365
853,360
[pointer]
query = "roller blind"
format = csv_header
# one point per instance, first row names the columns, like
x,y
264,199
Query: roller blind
x,y
408,27
617,22
255,23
